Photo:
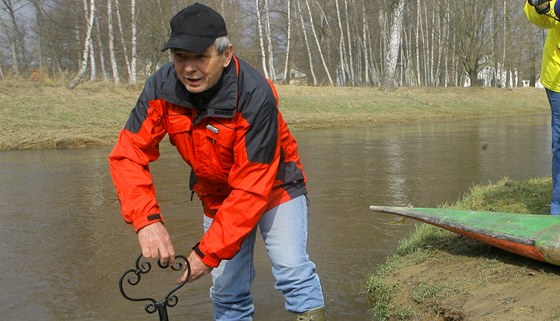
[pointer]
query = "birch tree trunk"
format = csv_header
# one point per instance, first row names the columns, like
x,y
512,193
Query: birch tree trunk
x,y
271,69
418,27
438,44
432,46
309,56
318,44
123,42
426,46
261,40
74,82
505,34
446,50
114,66
388,82
288,41
349,37
92,69
101,51
132,80
341,47
365,45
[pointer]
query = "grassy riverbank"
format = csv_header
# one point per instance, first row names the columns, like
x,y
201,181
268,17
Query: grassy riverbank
x,y
439,275
48,115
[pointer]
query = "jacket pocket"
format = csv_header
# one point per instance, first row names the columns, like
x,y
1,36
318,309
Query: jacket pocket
x,y
214,143
179,129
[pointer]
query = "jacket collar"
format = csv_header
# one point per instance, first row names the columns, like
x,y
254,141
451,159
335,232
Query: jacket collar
x,y
218,101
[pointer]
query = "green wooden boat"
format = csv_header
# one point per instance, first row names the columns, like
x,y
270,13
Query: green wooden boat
x,y
533,236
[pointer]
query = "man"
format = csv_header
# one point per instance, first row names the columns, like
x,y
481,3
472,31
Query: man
x,y
221,114
544,14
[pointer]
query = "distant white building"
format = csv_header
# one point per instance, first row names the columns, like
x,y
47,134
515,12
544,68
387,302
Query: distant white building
x,y
538,84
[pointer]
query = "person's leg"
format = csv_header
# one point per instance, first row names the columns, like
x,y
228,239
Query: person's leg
x,y
554,100
284,231
232,280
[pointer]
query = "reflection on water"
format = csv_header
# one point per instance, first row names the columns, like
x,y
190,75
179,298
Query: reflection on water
x,y
64,246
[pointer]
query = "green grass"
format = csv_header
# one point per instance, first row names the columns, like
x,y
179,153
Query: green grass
x,y
380,294
526,197
48,115
426,292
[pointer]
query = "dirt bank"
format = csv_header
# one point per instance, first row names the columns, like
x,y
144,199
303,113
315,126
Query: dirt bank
x,y
466,280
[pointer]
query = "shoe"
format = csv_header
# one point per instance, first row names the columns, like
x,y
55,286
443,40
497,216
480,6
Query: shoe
x,y
318,314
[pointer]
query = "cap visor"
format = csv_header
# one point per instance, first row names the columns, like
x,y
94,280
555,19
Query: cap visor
x,y
189,43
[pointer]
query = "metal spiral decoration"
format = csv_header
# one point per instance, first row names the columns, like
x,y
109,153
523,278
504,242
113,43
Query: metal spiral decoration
x,y
134,276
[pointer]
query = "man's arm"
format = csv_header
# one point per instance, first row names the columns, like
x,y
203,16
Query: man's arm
x,y
129,160
536,14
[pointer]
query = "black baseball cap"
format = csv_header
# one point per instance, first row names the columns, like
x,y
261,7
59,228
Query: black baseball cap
x,y
195,28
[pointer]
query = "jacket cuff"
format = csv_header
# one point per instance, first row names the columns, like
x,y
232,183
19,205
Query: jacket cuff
x,y
207,259
543,11
144,221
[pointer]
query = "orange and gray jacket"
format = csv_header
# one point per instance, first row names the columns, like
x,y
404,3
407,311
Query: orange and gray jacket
x,y
243,158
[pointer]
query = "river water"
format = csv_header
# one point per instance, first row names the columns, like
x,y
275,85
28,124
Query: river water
x,y
64,245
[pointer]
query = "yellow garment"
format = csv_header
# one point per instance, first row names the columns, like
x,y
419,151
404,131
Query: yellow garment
x,y
550,68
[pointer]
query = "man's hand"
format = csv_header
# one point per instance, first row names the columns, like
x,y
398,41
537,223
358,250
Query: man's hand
x,y
155,243
198,269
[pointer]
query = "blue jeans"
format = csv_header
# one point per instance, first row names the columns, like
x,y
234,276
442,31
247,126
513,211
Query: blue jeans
x,y
284,232
554,100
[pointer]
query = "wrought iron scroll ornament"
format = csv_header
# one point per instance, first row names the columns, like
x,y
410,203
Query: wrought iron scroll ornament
x,y
134,276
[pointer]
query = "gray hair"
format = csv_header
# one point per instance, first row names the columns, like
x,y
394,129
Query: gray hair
x,y
221,44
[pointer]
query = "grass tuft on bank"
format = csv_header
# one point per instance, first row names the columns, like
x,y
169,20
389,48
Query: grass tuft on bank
x,y
398,290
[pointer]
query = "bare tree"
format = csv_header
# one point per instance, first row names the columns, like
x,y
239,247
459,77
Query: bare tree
x,y
87,45
123,39
268,32
16,35
91,49
419,31
312,25
37,28
112,55
261,40
388,81
505,34
350,52
101,49
133,42
288,42
470,27
308,48
341,47
365,46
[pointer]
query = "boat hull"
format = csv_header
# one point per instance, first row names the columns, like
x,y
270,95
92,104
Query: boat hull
x,y
530,235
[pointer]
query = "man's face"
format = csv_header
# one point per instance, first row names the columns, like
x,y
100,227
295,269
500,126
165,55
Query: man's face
x,y
200,71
